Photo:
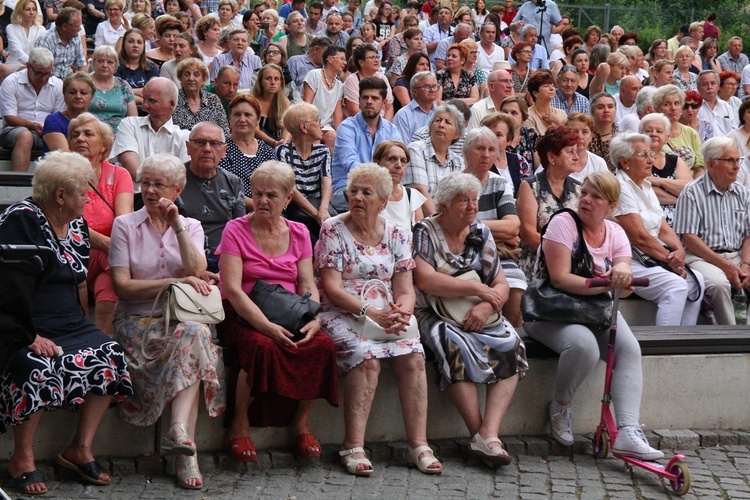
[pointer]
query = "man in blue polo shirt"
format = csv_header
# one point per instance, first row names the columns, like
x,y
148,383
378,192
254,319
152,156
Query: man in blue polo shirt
x,y
358,136
416,114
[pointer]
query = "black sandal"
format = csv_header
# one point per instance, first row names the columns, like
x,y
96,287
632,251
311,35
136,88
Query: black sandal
x,y
23,481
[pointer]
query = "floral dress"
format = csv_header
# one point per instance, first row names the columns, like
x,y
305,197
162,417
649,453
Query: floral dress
x,y
525,149
465,82
337,249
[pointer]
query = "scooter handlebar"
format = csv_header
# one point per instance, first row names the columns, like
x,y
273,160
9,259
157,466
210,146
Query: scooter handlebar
x,y
597,282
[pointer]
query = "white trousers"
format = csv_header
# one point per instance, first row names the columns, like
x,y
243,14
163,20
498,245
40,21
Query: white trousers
x,y
670,292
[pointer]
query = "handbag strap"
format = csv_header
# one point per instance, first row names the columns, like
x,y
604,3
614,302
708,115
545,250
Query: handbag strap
x,y
102,198
165,290
375,283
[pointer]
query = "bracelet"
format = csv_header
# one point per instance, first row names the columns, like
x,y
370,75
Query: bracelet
x,y
364,308
746,263
181,230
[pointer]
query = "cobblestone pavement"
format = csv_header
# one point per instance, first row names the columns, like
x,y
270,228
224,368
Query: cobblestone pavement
x,y
719,464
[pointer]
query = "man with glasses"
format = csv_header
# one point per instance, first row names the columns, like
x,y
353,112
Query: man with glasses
x,y
334,29
566,98
500,85
64,43
712,218
489,52
26,99
416,114
212,195
714,109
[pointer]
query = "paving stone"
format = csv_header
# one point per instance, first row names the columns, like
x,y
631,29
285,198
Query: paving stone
x,y
150,465
708,438
677,439
514,446
536,446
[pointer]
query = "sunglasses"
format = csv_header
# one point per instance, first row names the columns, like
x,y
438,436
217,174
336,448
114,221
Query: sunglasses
x,y
691,105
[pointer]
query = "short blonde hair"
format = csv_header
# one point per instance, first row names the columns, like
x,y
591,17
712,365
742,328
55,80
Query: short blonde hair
x,y
606,183
105,132
105,51
276,173
296,114
618,59
167,165
69,171
192,63
115,3
379,176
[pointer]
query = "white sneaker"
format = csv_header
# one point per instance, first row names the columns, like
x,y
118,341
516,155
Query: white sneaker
x,y
632,442
561,418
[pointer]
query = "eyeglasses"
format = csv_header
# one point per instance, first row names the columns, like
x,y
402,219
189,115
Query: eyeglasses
x,y
273,52
645,154
428,87
731,161
39,73
372,58
691,105
201,143
525,51
158,186
730,84
317,120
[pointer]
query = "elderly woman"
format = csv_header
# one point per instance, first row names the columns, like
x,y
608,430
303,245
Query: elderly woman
x,y
690,116
741,135
149,249
659,254
354,248
521,70
114,98
587,162
78,93
683,77
604,111
110,195
542,115
507,164
523,142
683,141
272,366
591,37
455,82
661,73
483,348
134,68
245,153
404,206
311,163
367,62
167,29
194,105
110,30
581,347
497,210
225,13
413,38
669,173
22,33
207,32
433,158
269,91
324,90
184,47
543,194
271,18
66,352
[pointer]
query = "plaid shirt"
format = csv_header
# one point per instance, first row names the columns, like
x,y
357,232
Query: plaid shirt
x,y
425,169
209,6
66,56
580,103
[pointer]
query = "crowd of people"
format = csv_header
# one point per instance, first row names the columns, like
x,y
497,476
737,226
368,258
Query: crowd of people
x,y
392,164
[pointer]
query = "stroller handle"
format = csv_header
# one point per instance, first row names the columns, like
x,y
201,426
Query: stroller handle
x,y
597,282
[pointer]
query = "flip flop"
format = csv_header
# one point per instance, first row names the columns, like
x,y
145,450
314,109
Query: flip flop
x,y
239,448
90,472
306,444
23,481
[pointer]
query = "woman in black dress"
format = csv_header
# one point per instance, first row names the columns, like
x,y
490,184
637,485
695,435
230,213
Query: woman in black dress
x,y
70,364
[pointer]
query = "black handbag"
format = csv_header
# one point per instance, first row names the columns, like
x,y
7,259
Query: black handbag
x,y
543,302
283,307
649,261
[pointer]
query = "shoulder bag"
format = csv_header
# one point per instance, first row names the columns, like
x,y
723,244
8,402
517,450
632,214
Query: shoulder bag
x,y
369,329
284,308
649,261
453,310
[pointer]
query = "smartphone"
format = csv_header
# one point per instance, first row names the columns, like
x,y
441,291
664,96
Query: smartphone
x,y
264,26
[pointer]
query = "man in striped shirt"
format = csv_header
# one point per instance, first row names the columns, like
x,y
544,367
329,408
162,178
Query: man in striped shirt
x,y
712,219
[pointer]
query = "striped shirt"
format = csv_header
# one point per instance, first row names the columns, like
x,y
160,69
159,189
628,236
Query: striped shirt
x,y
248,65
308,173
495,202
719,219
425,169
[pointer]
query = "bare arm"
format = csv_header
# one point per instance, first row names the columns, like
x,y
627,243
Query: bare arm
x,y
403,97
558,259
351,107
56,141
505,230
130,160
600,78
528,207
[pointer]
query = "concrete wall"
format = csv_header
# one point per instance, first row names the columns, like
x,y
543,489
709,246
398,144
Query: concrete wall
x,y
680,392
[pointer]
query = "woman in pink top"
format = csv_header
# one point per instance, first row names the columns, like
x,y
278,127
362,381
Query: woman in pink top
x,y
110,195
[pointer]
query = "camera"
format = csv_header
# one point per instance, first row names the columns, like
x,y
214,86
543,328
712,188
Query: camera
x,y
264,26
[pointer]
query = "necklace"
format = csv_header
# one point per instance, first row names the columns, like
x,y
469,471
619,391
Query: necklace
x,y
325,80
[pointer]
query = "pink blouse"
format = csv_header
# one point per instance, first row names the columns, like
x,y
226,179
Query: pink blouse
x,y
113,181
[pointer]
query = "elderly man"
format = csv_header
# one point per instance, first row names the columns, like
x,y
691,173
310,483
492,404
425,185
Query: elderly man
x,y
139,137
211,195
64,42
460,33
733,59
334,29
531,13
437,32
625,99
712,218
566,97
225,86
300,65
643,106
500,85
417,113
26,98
715,110
359,135
539,60
489,52
239,57
314,24
297,41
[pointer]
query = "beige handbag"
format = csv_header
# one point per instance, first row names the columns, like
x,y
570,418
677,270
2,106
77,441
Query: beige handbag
x,y
453,310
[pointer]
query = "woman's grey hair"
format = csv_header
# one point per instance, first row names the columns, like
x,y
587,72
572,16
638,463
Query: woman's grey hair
x,y
478,134
525,30
41,57
69,171
655,117
419,78
456,184
621,146
276,173
599,54
458,117
714,148
169,166
628,51
379,176
666,91
105,51
644,98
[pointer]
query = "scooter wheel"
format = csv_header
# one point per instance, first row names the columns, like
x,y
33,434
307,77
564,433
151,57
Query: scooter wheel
x,y
681,484
601,444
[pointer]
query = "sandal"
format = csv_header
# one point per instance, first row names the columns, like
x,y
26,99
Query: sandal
x,y
90,472
187,468
492,457
178,442
308,446
26,479
242,449
423,464
351,463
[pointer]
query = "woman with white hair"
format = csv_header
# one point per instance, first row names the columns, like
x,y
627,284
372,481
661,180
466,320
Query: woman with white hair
x,y
114,98
658,253
149,249
63,361
456,257
683,141
683,77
